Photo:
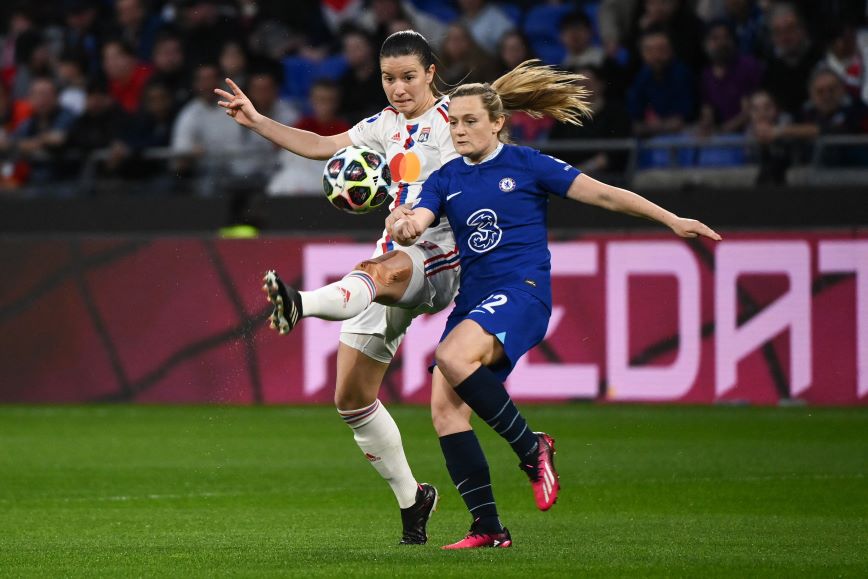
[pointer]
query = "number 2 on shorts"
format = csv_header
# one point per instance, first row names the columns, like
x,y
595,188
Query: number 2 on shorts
x,y
489,303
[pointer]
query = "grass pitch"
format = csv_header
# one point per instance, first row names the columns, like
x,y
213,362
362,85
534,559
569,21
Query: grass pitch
x,y
118,491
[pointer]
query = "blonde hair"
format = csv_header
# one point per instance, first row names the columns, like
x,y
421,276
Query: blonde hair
x,y
535,89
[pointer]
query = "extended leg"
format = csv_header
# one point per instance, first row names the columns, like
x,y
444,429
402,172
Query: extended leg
x,y
383,279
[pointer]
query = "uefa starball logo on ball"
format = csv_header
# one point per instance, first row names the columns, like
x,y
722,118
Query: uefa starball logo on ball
x,y
356,180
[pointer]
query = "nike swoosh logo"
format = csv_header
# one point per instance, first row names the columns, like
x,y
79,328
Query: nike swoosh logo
x,y
451,195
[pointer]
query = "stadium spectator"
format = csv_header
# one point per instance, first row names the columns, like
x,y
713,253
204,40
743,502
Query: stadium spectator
x,y
843,57
229,156
577,35
83,34
72,78
150,128
170,67
205,25
513,49
681,25
33,58
383,15
485,21
97,128
748,21
614,20
18,23
831,111
234,61
299,175
136,27
201,128
462,60
360,85
40,138
125,73
727,81
609,120
767,125
787,72
661,99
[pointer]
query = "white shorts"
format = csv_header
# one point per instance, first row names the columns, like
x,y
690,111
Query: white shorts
x,y
377,332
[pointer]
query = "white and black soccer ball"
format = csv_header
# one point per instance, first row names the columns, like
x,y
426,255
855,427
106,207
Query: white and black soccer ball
x,y
356,180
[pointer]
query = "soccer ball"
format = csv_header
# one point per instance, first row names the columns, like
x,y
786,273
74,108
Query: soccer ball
x,y
356,180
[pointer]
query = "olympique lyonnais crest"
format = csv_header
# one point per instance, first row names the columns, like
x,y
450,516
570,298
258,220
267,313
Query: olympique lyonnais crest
x,y
424,134
507,184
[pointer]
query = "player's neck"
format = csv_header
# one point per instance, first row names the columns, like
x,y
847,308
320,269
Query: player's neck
x,y
429,103
488,152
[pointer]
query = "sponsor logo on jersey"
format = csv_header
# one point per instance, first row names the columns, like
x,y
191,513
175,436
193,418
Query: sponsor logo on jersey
x,y
487,234
451,195
530,282
424,134
406,167
397,137
507,184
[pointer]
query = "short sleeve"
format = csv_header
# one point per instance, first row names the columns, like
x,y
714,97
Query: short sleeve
x,y
553,175
369,132
431,196
444,142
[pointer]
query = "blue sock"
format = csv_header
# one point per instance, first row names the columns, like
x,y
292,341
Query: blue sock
x,y
468,468
487,396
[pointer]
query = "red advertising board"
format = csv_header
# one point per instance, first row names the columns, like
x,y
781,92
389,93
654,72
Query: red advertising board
x,y
759,317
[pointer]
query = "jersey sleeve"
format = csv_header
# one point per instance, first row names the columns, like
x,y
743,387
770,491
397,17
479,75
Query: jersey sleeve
x,y
553,175
370,132
444,139
431,196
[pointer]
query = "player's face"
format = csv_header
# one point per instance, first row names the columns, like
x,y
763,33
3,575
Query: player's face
x,y
407,84
473,132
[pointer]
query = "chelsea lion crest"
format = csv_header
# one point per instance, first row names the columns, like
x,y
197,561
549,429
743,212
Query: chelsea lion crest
x,y
507,184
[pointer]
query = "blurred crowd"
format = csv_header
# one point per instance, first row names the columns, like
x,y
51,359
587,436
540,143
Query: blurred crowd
x,y
120,91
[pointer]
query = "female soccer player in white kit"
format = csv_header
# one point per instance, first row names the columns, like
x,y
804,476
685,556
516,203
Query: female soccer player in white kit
x,y
382,295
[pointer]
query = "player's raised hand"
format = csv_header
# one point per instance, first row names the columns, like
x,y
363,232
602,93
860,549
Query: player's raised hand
x,y
397,213
237,105
692,228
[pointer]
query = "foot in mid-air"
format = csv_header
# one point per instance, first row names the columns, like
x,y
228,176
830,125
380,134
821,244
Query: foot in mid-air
x,y
477,538
542,473
286,300
415,517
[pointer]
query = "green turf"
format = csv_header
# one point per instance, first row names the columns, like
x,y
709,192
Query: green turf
x,y
117,491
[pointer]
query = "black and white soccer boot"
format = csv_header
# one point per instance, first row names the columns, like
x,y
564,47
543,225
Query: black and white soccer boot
x,y
415,518
286,300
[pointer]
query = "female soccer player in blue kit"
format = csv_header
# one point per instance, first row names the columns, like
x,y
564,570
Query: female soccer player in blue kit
x,y
496,198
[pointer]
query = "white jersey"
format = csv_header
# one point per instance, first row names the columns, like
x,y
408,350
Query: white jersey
x,y
414,149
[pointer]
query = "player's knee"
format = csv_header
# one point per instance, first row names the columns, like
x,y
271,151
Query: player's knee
x,y
349,400
387,273
449,358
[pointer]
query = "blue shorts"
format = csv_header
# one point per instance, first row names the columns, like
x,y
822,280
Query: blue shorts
x,y
516,318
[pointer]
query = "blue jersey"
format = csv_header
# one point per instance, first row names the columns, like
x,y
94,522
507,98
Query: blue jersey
x,y
498,210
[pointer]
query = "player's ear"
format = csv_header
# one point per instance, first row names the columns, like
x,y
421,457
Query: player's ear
x,y
498,124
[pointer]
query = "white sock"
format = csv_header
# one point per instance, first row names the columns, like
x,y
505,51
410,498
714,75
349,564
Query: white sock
x,y
379,438
341,300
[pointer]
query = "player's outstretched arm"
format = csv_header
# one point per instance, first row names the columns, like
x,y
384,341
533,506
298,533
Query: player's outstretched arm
x,y
407,229
300,142
593,192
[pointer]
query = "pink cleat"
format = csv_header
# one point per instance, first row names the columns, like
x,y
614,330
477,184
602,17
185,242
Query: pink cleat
x,y
476,539
543,475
